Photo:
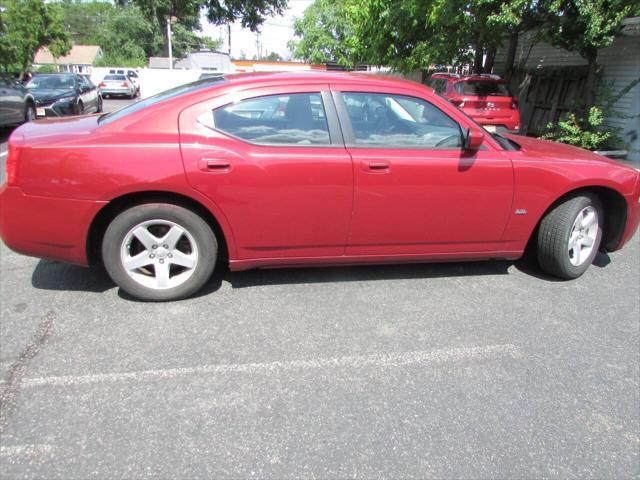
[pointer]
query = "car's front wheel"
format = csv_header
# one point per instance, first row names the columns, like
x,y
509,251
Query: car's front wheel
x,y
159,251
569,236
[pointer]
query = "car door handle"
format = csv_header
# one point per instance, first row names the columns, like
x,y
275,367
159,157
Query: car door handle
x,y
214,164
379,166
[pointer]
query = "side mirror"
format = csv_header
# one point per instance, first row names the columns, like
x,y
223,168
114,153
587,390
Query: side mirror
x,y
472,139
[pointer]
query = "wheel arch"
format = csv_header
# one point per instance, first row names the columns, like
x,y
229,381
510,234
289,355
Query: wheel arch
x,y
119,204
615,213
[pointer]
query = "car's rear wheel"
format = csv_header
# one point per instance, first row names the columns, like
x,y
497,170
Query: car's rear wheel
x,y
569,236
159,251
99,107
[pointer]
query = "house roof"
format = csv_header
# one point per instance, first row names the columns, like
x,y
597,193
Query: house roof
x,y
79,55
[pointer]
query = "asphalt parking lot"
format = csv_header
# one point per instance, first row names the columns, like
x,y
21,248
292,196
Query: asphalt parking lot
x,y
456,370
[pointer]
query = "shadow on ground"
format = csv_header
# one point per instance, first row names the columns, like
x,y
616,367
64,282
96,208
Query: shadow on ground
x,y
50,275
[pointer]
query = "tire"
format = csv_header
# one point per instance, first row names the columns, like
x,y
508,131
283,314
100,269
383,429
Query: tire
x,y
99,107
79,109
29,113
577,220
159,271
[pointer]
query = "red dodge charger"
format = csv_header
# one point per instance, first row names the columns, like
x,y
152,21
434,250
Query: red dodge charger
x,y
301,169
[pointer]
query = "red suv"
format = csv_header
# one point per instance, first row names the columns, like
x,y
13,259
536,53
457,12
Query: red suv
x,y
485,98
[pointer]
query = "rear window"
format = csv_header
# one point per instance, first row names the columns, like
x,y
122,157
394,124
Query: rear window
x,y
482,88
119,78
160,97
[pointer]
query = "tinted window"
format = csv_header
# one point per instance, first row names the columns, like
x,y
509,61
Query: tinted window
x,y
399,121
482,88
297,119
119,78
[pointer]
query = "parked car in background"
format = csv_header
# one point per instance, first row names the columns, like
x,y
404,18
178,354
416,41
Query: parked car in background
x,y
282,169
210,75
64,94
117,86
485,98
17,104
130,73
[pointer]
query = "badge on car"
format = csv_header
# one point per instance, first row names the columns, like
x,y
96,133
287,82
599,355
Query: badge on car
x,y
490,128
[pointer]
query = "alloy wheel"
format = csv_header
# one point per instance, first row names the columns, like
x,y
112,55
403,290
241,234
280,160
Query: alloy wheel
x,y
159,254
583,236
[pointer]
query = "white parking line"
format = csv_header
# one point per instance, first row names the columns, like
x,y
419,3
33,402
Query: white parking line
x,y
357,361
29,450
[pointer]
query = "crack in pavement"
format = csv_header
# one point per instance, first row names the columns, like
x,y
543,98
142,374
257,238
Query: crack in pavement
x,y
10,387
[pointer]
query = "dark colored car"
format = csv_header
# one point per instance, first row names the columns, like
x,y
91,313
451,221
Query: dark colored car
x,y
63,94
485,98
300,169
17,104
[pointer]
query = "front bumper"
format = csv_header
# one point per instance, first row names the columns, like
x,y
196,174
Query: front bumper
x,y
46,227
633,217
62,109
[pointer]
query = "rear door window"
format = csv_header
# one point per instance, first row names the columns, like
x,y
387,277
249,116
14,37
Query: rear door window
x,y
293,119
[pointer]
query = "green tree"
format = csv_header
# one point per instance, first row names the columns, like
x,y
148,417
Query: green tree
x,y
584,27
326,33
251,13
26,26
273,57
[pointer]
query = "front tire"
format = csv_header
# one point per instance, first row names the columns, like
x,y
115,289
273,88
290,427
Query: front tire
x,y
30,113
159,252
569,236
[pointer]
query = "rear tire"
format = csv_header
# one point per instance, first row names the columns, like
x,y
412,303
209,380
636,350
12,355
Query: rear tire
x,y
99,107
569,236
159,252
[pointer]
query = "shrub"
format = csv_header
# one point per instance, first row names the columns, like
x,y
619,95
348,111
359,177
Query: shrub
x,y
584,132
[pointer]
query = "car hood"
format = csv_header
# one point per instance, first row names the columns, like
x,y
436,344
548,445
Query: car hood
x,y
49,95
555,150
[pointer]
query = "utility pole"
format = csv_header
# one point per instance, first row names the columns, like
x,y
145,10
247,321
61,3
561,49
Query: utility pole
x,y
169,38
229,35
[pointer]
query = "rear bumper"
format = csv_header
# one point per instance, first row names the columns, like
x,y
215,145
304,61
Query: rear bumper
x,y
116,91
511,123
46,227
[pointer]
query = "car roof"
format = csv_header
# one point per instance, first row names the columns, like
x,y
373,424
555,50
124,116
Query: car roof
x,y
237,79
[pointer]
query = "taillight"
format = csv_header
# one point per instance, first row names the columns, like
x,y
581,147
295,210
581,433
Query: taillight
x,y
124,84
16,142
102,85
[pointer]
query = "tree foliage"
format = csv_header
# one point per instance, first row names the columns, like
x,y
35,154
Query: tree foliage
x,y
25,27
125,34
251,13
327,33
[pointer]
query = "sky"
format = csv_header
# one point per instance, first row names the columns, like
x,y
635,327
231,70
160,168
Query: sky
x,y
274,33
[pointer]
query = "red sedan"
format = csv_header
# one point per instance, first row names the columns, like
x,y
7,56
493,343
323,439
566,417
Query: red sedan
x,y
266,170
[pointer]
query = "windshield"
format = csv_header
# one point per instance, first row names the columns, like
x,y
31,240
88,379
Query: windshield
x,y
119,78
482,88
160,97
51,82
